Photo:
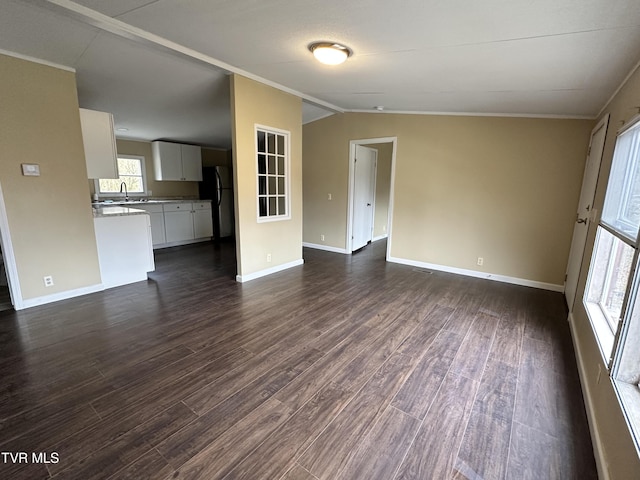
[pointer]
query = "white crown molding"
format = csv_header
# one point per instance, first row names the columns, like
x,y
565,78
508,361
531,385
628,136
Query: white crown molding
x,y
117,27
617,90
37,60
475,114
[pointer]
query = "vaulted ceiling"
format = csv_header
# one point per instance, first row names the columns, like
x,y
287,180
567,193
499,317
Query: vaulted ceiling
x,y
161,66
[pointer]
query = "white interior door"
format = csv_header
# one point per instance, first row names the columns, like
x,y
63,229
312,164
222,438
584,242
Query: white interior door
x,y
585,207
363,196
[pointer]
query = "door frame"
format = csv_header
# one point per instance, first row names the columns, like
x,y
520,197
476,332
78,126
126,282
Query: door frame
x,y
11,268
602,124
352,168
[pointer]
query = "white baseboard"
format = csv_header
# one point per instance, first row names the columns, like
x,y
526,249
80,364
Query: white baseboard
x,y
473,273
56,297
603,472
326,248
380,237
268,271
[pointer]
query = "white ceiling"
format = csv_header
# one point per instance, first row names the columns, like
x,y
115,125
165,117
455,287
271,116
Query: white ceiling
x,y
161,66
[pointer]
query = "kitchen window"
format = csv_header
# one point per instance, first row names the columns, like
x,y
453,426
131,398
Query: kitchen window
x,y
272,155
612,296
131,171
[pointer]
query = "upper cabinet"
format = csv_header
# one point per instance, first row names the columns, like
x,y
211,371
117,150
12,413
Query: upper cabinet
x,y
99,140
174,161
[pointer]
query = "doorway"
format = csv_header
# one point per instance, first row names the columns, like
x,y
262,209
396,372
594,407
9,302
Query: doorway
x,y
585,209
371,172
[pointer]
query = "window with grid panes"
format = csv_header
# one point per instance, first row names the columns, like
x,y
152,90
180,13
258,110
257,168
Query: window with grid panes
x,y
272,152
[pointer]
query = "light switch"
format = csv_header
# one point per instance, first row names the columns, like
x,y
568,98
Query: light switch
x,y
30,169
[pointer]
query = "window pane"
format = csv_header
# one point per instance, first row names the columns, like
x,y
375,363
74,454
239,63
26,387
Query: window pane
x,y
609,275
272,206
262,164
261,142
262,185
271,143
281,186
280,165
262,206
622,204
280,145
281,206
134,184
272,186
129,166
109,185
272,165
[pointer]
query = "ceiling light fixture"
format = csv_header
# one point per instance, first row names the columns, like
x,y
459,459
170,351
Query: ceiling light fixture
x,y
330,53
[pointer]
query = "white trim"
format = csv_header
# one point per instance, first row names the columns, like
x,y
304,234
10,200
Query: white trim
x,y
474,273
56,297
477,114
601,464
379,237
617,90
124,30
37,60
352,157
287,169
326,248
268,271
11,267
327,114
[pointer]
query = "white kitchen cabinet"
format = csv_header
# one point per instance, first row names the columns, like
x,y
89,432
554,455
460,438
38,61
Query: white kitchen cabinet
x,y
202,220
156,213
174,161
99,141
178,222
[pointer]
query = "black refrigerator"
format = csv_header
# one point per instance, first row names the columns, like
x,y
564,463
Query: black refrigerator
x,y
217,186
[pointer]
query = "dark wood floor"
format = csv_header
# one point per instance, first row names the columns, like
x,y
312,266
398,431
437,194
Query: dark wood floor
x,y
345,368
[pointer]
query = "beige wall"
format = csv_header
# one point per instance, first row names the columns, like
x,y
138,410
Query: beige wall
x,y
254,103
383,188
50,218
158,189
216,158
504,189
621,459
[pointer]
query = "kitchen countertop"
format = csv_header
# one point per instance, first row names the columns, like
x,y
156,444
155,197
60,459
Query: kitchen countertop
x,y
116,211
121,203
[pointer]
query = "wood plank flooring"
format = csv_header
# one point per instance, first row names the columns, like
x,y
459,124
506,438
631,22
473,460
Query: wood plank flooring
x,y
344,368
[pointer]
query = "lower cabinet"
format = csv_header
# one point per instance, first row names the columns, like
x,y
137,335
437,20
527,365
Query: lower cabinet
x,y
156,214
202,220
178,222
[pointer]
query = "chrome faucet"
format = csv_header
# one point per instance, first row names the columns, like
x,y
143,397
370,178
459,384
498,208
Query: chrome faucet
x,y
126,194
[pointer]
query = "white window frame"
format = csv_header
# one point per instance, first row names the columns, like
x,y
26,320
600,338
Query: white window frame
x,y
142,160
287,173
619,348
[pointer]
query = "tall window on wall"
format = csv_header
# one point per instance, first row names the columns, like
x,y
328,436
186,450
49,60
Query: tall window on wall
x,y
272,154
612,295
131,171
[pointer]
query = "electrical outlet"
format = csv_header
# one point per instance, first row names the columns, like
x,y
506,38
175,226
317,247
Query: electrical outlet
x,y
268,257
322,238
48,281
480,261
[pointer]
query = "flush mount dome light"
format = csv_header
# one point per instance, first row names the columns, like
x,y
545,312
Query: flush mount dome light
x,y
330,53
